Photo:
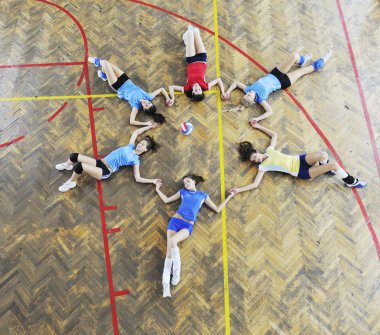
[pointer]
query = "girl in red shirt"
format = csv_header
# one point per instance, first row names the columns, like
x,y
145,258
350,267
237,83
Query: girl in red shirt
x,y
196,59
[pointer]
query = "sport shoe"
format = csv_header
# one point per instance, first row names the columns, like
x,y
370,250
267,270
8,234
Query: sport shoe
x,y
68,185
305,59
191,28
166,290
95,61
184,37
358,184
64,166
320,63
102,75
176,276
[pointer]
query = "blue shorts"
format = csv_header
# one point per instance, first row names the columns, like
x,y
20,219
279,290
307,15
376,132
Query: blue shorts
x,y
202,57
303,172
177,224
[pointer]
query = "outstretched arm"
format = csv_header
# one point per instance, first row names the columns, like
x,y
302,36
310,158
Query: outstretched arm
x,y
252,186
234,85
163,197
268,112
272,134
164,93
139,179
132,119
219,82
140,131
216,208
173,88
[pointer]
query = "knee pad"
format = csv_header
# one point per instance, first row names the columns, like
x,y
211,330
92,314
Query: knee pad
x,y
74,157
78,168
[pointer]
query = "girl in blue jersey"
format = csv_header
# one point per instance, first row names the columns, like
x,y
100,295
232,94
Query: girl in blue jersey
x,y
127,90
103,168
181,224
305,166
278,78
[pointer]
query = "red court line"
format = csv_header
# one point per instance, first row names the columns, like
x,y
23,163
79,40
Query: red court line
x,y
18,139
307,115
98,109
81,78
58,111
113,230
86,76
361,93
110,208
119,293
40,64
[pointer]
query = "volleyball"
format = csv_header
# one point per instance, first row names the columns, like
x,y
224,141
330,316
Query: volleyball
x,y
186,128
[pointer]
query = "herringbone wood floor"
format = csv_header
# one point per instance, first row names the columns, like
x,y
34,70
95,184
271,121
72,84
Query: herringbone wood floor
x,y
301,259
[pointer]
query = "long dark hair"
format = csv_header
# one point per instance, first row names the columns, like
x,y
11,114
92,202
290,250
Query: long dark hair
x,y
245,150
196,178
152,144
152,111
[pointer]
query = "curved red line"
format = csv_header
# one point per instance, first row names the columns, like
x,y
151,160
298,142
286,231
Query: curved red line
x,y
58,111
307,115
99,186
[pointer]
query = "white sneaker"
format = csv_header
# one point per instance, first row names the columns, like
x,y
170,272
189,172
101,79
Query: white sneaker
x,y
176,276
191,28
166,289
357,184
184,37
68,185
64,166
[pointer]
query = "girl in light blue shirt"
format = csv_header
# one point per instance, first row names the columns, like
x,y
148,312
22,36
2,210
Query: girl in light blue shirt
x,y
103,168
181,224
278,78
127,90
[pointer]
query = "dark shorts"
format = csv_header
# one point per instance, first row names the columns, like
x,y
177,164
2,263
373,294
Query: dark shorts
x,y
177,224
106,172
303,172
120,81
202,57
282,78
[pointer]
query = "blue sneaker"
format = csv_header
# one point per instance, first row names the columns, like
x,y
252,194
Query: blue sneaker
x,y
95,61
357,184
102,75
320,63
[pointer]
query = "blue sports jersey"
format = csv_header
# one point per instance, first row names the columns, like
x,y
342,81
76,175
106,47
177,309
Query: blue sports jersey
x,y
133,94
122,157
191,203
263,87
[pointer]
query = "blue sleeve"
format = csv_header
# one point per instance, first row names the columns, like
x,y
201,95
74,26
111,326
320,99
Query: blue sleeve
x,y
132,146
134,104
247,89
258,99
149,97
136,161
181,191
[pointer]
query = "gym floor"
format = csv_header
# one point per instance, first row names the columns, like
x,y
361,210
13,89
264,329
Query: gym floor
x,y
293,257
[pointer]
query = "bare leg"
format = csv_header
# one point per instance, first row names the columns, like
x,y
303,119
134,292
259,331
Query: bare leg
x,y
190,45
174,240
109,71
93,171
285,66
199,46
321,169
297,74
315,157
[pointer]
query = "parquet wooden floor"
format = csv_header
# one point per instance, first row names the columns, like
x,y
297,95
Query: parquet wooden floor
x,y
301,255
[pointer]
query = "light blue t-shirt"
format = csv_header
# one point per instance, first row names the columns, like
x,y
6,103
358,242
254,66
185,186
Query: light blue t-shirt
x,y
122,157
191,203
133,94
263,87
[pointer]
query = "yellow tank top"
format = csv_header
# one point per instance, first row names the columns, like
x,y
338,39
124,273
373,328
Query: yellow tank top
x,y
277,161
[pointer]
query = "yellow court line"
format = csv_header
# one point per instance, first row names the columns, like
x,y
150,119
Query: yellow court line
x,y
68,97
222,179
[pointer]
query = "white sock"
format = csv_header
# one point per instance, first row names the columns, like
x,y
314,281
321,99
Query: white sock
x,y
167,270
340,173
327,55
176,258
324,161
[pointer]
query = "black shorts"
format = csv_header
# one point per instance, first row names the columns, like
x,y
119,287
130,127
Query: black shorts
x,y
120,81
202,57
106,172
282,78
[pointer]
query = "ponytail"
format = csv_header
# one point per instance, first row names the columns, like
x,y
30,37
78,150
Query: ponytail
x,y
159,118
196,178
